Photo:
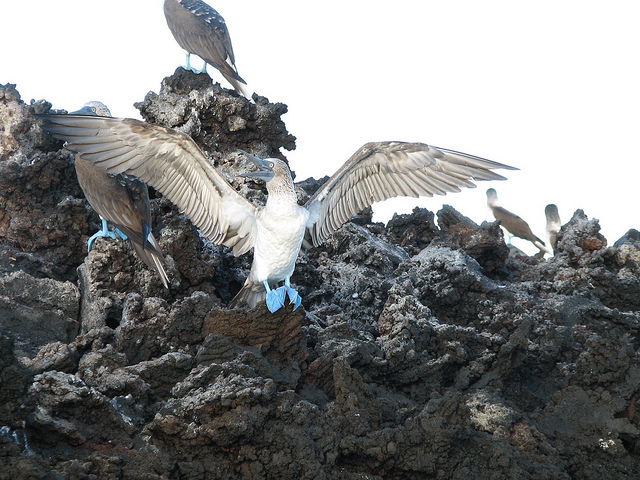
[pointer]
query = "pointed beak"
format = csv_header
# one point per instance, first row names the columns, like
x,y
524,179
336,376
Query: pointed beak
x,y
84,111
265,168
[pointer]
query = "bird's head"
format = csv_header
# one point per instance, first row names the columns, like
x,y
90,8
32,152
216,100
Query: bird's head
x,y
492,197
94,108
266,168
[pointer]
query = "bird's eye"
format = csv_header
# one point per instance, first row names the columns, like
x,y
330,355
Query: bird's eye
x,y
93,109
271,164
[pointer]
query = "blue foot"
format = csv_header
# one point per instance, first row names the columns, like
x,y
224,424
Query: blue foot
x,y
282,294
122,235
188,65
275,298
294,296
100,233
203,69
194,70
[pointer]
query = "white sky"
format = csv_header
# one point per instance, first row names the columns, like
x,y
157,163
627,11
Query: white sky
x,y
550,87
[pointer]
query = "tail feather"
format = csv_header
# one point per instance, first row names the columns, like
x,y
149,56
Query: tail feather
x,y
536,239
239,85
251,294
153,257
541,245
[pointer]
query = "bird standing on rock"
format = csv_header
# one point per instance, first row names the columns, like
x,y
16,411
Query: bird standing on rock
x,y
122,200
173,164
553,224
512,222
200,29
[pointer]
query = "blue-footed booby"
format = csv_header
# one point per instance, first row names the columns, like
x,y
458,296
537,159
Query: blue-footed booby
x,y
200,29
512,222
553,224
172,163
122,200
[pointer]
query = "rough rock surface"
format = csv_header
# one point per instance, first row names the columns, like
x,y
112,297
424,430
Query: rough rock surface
x,y
422,351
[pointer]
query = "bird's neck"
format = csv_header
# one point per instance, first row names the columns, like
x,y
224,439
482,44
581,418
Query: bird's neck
x,y
281,192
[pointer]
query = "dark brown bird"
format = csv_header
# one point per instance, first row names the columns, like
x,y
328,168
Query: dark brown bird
x,y
200,29
122,200
512,222
553,224
172,163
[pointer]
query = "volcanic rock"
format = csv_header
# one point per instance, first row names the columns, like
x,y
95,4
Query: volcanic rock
x,y
421,350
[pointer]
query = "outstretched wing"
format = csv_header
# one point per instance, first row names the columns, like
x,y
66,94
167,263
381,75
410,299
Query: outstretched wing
x,y
169,161
382,170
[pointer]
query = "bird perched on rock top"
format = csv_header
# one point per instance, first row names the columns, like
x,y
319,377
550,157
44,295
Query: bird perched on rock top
x,y
553,224
512,222
172,163
121,199
199,29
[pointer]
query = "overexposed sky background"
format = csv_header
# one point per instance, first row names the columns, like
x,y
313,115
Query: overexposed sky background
x,y
550,87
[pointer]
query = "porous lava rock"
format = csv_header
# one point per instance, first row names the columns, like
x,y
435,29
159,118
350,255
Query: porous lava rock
x,y
422,350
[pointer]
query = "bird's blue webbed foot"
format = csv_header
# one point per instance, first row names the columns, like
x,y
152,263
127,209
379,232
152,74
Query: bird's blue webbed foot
x,y
122,235
294,296
193,69
188,65
203,69
275,298
101,233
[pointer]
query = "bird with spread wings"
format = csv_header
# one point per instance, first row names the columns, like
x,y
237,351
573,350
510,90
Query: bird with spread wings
x,y
174,165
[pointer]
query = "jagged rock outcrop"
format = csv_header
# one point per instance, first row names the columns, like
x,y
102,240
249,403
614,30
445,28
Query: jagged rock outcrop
x,y
422,349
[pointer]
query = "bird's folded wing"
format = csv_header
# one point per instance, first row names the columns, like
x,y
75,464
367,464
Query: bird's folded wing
x,y
121,199
170,162
204,32
131,212
383,170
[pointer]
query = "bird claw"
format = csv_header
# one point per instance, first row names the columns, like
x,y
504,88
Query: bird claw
x,y
275,299
105,232
294,297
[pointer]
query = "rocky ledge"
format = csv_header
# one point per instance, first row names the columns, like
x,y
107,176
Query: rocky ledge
x,y
423,349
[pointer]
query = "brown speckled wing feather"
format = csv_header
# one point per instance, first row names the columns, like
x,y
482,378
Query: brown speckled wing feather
x,y
200,29
382,170
170,162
